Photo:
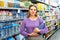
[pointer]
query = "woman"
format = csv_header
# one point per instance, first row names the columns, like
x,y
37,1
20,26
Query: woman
x,y
29,27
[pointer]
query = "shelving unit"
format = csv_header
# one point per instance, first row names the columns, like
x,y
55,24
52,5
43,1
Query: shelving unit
x,y
11,26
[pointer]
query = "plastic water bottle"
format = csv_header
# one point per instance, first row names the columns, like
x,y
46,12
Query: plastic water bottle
x,y
1,30
10,38
22,37
18,37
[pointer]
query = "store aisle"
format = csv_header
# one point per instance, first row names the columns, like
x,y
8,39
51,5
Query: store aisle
x,y
55,36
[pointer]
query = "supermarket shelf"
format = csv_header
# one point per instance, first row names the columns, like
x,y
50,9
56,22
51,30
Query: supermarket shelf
x,y
24,9
9,8
37,1
13,20
48,20
43,10
51,34
46,10
51,20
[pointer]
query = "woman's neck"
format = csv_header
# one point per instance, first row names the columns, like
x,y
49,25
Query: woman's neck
x,y
32,17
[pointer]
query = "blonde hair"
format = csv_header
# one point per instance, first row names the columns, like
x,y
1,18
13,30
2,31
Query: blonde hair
x,y
28,14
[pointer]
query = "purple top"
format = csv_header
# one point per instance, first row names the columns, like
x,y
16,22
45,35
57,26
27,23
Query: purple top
x,y
29,25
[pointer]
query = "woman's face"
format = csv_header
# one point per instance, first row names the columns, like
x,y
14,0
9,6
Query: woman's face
x,y
32,11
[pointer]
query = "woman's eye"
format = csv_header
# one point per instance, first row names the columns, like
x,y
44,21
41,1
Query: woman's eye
x,y
31,9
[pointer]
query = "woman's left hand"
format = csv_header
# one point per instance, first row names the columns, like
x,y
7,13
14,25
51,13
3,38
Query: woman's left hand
x,y
36,30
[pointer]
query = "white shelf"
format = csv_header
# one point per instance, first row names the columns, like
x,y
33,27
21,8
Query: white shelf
x,y
9,8
44,10
24,9
48,20
14,8
49,36
51,20
47,10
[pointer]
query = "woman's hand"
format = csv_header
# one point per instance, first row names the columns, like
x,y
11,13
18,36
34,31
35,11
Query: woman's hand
x,y
33,34
36,30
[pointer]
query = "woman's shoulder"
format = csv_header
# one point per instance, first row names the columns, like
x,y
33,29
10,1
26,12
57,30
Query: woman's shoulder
x,y
40,18
25,19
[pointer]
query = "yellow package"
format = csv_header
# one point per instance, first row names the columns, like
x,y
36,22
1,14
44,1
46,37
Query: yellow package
x,y
1,4
39,6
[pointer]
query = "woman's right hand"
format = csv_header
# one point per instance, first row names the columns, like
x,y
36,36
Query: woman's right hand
x,y
33,34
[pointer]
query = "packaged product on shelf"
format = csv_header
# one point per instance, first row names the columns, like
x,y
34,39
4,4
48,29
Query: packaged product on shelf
x,y
47,14
10,38
0,15
8,15
15,26
10,30
48,18
40,6
27,3
49,28
17,15
1,4
1,31
40,13
16,5
47,24
45,7
10,4
25,14
53,17
21,4
7,31
14,14
3,15
21,14
48,7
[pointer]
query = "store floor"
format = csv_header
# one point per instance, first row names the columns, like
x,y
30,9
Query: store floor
x,y
55,36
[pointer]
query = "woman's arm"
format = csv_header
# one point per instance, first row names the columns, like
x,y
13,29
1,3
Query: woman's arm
x,y
22,29
45,29
42,31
